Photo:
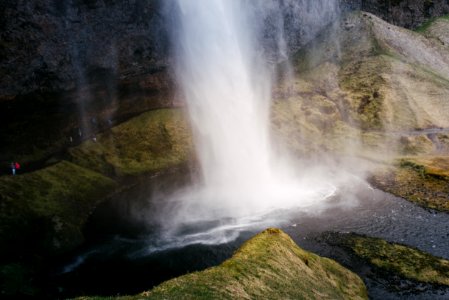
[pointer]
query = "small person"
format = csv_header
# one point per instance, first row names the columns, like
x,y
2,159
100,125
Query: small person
x,y
13,168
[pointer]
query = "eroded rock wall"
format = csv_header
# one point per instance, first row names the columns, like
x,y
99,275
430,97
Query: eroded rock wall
x,y
406,13
58,44
70,66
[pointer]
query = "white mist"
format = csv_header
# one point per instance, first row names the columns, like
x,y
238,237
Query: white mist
x,y
227,88
226,82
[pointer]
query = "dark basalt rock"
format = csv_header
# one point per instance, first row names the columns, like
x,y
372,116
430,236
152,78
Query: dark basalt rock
x,y
50,45
70,64
406,13
53,45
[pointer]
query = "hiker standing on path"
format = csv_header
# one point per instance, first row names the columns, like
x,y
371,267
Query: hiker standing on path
x,y
13,168
17,166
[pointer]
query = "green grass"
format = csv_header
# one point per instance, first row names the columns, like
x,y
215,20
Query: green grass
x,y
42,214
362,81
413,166
408,262
422,180
268,266
426,25
150,142
49,206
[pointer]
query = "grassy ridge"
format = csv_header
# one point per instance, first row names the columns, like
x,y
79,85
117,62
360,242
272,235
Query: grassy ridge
x,y
268,266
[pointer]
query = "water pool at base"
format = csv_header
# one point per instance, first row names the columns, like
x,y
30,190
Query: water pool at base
x,y
127,256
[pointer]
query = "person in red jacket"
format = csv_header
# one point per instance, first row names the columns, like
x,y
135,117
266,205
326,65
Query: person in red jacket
x,y
15,166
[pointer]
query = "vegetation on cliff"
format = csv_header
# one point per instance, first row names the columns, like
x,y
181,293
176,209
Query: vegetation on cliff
x,y
42,214
369,89
150,142
62,196
58,198
269,266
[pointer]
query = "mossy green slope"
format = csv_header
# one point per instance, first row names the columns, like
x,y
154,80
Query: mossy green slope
x,y
42,213
49,206
368,89
405,261
363,85
150,142
268,266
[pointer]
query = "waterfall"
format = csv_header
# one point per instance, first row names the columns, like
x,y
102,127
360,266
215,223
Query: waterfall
x,y
227,86
224,75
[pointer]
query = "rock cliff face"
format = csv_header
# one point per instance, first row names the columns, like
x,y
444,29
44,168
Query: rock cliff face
x,y
51,45
57,45
77,65
71,68
405,13
66,45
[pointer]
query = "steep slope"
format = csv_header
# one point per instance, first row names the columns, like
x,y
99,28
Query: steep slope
x,y
151,142
370,82
43,212
368,89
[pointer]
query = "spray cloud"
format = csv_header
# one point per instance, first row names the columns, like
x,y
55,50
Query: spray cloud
x,y
224,74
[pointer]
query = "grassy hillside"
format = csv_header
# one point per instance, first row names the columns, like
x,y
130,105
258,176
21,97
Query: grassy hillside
x,y
43,212
150,142
373,90
41,215
366,76
58,198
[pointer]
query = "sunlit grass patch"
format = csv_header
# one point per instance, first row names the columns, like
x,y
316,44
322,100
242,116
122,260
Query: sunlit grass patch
x,y
406,261
150,142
